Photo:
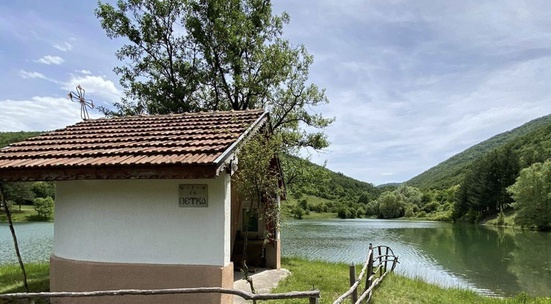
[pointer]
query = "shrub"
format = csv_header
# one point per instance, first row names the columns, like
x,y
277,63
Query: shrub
x,y
44,207
360,212
431,207
345,213
409,212
304,204
500,219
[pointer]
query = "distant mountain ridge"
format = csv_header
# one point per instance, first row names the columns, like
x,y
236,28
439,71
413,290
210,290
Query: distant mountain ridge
x,y
451,171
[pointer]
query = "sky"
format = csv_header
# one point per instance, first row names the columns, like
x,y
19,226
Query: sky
x,y
410,83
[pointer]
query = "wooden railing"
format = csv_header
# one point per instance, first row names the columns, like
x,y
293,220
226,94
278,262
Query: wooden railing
x,y
376,267
313,295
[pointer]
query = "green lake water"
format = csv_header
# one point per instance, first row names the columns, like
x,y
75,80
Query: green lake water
x,y
500,262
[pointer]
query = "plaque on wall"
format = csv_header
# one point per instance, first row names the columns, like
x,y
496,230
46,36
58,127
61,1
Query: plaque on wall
x,y
193,195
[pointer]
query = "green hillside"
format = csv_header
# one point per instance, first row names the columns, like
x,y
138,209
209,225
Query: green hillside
x,y
530,140
315,188
7,138
319,181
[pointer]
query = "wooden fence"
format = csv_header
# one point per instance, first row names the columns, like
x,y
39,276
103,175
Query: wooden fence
x,y
313,295
376,267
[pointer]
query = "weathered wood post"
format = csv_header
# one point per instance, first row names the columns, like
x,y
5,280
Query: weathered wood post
x,y
352,274
386,258
380,260
369,281
314,300
394,262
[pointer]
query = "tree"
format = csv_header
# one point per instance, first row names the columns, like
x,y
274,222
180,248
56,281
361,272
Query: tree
x,y
195,55
345,213
483,191
297,212
304,204
391,205
4,204
364,198
19,192
532,195
410,195
44,207
258,181
43,189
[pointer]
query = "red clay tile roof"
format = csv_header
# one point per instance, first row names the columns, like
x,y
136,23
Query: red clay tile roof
x,y
190,145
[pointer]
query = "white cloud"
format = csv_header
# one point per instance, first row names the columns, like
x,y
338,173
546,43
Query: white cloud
x,y
26,75
98,88
36,75
85,72
48,59
64,47
39,113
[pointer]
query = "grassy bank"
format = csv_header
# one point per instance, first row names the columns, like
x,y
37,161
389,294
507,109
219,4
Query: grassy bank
x,y
26,214
330,278
11,279
508,220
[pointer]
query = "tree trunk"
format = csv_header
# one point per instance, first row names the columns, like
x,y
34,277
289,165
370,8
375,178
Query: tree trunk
x,y
8,215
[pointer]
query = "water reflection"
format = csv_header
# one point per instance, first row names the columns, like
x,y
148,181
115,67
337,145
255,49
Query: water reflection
x,y
491,261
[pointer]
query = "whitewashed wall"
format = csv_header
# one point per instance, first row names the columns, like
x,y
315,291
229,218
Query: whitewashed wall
x,y
139,221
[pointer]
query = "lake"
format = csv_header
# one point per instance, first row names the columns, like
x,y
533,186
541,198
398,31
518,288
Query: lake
x,y
36,241
500,262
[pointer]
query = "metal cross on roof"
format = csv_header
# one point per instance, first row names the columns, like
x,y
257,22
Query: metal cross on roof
x,y
84,103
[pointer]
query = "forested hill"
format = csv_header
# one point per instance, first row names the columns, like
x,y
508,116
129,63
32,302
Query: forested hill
x,y
7,138
315,180
529,140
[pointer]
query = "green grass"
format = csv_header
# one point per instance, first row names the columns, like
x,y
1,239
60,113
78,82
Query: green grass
x,y
11,279
397,289
319,216
26,214
332,280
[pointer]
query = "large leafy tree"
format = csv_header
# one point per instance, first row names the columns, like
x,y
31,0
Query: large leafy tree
x,y
391,205
532,195
196,55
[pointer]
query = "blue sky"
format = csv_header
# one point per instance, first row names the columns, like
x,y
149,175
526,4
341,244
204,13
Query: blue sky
x,y
410,83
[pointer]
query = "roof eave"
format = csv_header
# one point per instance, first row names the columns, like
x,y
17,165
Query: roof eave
x,y
110,172
223,161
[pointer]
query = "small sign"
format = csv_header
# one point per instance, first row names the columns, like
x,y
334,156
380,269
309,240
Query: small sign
x,y
193,195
